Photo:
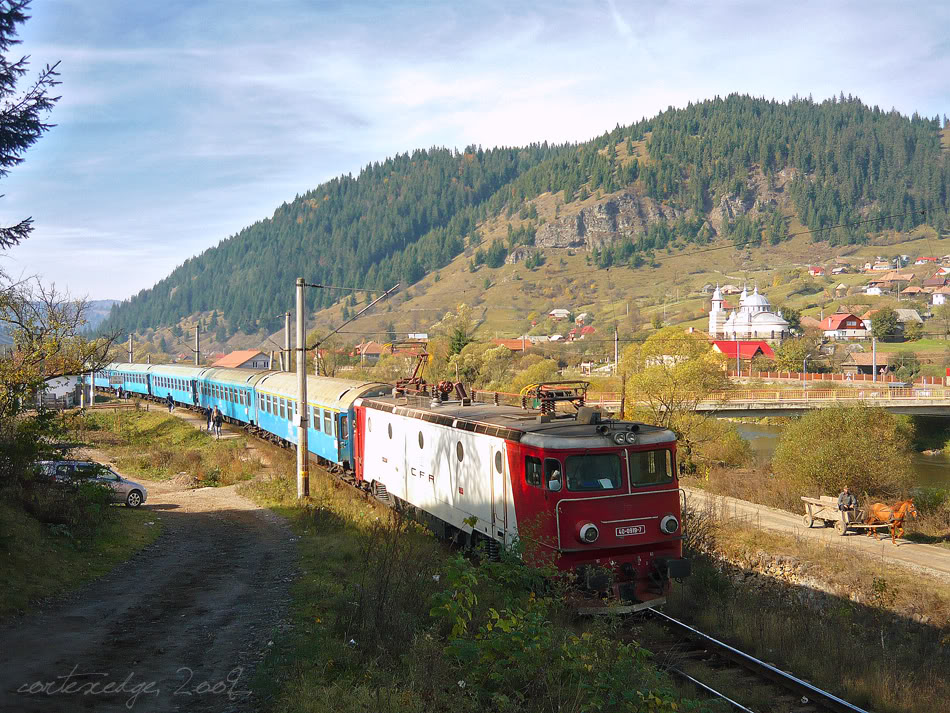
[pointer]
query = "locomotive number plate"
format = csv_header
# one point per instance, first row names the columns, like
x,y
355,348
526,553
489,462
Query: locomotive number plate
x,y
631,530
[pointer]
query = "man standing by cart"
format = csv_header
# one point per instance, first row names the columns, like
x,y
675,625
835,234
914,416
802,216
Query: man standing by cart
x,y
846,504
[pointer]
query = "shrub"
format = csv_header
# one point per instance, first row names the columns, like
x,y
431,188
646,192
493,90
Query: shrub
x,y
867,449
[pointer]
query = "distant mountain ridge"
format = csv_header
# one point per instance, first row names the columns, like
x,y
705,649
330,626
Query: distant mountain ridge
x,y
734,167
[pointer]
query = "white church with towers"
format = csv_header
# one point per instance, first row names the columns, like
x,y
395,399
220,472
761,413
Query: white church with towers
x,y
754,319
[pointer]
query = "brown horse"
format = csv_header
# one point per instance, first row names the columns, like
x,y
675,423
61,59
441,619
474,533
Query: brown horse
x,y
892,515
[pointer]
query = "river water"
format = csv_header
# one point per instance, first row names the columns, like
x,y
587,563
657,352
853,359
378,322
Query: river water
x,y
932,471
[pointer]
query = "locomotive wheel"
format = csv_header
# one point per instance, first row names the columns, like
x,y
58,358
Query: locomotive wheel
x,y
807,520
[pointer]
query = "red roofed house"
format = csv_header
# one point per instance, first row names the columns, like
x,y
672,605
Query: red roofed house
x,y
245,359
816,271
586,330
747,349
844,325
925,260
516,345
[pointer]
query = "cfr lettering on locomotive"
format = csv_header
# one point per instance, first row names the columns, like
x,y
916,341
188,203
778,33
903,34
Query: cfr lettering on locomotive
x,y
418,472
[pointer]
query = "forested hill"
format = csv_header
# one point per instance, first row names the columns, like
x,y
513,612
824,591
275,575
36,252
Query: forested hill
x,y
709,166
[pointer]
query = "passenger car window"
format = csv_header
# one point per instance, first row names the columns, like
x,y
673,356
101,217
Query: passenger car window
x,y
328,423
532,471
316,419
651,467
594,471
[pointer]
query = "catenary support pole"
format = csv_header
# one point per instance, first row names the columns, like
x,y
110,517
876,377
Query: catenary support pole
x,y
197,343
130,349
303,469
286,360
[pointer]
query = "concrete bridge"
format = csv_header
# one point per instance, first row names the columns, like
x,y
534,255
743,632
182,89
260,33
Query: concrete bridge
x,y
920,401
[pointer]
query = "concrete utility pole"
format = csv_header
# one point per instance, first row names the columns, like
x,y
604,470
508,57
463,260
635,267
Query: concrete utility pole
x,y
197,343
873,359
130,349
303,460
287,361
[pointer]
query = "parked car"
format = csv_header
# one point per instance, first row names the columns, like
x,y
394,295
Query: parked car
x,y
71,471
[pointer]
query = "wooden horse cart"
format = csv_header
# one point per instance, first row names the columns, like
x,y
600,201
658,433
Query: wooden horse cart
x,y
824,509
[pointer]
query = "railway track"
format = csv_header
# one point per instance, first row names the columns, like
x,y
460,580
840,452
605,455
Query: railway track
x,y
791,693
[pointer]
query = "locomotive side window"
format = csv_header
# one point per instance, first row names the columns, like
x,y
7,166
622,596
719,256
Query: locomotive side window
x,y
594,471
498,462
459,451
532,471
421,440
651,467
552,472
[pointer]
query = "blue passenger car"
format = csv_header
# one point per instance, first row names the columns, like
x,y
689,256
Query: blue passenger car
x,y
129,377
328,411
177,380
232,391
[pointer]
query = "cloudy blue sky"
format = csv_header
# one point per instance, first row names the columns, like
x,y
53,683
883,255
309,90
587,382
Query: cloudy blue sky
x,y
185,120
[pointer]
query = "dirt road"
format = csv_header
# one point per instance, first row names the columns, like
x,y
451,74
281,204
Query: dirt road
x,y
180,627
924,558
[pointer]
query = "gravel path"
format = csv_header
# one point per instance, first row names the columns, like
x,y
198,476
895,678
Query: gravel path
x,y
930,559
179,627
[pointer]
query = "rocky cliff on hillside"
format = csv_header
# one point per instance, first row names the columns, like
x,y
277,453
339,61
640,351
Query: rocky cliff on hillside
x,y
626,214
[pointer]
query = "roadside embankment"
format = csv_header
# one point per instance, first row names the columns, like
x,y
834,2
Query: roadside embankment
x,y
848,620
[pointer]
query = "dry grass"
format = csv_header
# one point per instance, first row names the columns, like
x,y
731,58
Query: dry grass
x,y
874,633
156,445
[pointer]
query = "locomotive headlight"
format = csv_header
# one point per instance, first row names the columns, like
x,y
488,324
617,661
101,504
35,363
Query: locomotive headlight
x,y
669,524
589,533
620,438
631,437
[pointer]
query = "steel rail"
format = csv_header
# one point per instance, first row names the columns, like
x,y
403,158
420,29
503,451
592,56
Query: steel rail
x,y
709,689
828,700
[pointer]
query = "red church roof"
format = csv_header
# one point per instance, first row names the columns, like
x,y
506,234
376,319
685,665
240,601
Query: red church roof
x,y
747,350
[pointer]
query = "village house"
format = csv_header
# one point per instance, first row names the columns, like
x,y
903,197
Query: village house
x,y
582,318
945,270
873,291
243,359
912,291
809,323
816,271
925,261
941,296
843,325
877,266
864,363
746,350
559,315
520,344
839,270
934,283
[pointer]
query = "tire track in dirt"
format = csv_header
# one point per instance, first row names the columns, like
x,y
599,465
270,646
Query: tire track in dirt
x,y
179,627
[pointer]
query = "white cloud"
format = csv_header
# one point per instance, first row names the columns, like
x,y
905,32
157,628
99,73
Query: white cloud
x,y
178,128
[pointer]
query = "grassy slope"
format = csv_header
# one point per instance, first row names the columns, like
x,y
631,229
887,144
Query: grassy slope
x,y
152,444
671,289
37,563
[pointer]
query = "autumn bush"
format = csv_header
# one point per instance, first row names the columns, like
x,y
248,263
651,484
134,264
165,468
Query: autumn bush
x,y
867,449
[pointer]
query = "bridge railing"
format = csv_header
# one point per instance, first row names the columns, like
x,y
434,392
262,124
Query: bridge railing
x,y
880,393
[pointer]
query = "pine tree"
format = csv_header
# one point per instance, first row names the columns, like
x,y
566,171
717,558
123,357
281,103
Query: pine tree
x,y
22,111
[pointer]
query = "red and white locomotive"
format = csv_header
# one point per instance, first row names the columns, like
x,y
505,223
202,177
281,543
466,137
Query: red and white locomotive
x,y
599,496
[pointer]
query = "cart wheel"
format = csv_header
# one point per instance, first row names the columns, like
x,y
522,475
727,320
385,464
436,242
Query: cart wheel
x,y
807,520
840,527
